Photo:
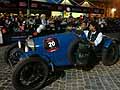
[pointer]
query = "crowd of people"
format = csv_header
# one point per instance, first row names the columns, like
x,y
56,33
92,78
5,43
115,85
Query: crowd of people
x,y
56,24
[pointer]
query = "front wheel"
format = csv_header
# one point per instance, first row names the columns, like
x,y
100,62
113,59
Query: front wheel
x,y
110,55
30,74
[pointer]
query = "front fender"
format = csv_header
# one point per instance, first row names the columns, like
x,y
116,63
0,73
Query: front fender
x,y
35,54
26,55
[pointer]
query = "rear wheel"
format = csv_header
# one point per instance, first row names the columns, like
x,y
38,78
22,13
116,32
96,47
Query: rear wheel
x,y
30,74
110,55
79,53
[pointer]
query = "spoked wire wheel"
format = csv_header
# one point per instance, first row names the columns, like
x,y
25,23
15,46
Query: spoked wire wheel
x,y
79,52
30,74
14,56
13,53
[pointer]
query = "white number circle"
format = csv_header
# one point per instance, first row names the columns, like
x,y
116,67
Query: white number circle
x,y
51,44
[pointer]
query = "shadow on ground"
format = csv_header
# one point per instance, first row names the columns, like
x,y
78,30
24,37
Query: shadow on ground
x,y
53,77
56,75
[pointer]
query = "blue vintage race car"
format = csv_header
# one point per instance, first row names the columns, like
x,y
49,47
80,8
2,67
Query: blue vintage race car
x,y
43,55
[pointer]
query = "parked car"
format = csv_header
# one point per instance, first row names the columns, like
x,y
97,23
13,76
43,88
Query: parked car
x,y
10,36
43,55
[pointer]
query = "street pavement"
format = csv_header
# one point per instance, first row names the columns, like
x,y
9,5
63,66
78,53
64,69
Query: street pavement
x,y
100,77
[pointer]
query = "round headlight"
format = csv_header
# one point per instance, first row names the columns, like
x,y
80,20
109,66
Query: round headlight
x,y
30,43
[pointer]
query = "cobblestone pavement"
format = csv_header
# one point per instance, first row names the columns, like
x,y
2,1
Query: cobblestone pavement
x,y
99,78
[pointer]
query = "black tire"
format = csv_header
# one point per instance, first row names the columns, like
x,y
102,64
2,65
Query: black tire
x,y
110,55
79,53
27,70
12,53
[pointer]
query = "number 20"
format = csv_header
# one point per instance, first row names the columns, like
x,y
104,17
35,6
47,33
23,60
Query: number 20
x,y
51,44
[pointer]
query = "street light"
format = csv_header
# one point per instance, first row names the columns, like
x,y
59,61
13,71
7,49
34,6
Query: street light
x,y
113,11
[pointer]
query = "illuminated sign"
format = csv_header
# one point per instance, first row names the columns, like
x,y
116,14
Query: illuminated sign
x,y
55,1
50,1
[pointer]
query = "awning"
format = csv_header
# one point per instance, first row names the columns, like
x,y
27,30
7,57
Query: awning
x,y
86,3
66,2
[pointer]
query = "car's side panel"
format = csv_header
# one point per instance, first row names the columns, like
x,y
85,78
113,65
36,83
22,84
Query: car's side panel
x,y
58,56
